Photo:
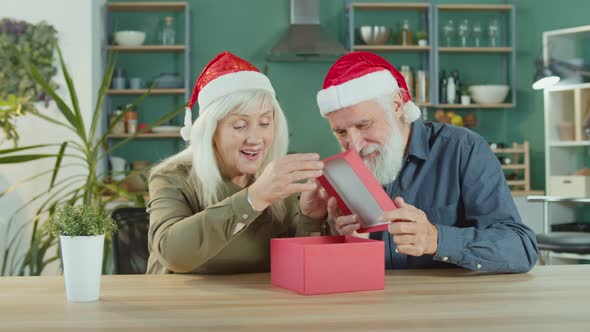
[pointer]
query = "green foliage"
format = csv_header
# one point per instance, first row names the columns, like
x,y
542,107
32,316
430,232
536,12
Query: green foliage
x,y
465,91
10,109
421,35
36,43
86,151
80,220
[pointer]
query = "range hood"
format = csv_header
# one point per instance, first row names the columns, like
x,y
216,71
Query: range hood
x,y
305,40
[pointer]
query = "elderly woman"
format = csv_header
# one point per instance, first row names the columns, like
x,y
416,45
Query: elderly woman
x,y
215,206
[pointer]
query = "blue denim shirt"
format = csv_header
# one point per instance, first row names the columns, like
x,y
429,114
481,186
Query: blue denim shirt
x,y
453,176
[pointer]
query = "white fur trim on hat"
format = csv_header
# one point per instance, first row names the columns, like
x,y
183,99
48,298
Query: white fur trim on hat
x,y
357,90
229,83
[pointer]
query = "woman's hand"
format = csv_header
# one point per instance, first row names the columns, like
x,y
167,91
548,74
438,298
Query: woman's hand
x,y
280,179
314,203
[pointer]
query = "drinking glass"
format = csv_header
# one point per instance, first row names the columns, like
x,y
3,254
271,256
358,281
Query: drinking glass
x,y
464,32
493,31
477,32
449,32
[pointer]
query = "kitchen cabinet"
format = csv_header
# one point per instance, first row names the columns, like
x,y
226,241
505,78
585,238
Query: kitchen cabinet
x,y
434,55
136,51
142,62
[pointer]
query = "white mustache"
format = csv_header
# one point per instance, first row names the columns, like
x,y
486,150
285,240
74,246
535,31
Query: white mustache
x,y
367,150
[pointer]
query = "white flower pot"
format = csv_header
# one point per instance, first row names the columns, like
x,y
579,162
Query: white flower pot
x,y
423,42
465,100
82,263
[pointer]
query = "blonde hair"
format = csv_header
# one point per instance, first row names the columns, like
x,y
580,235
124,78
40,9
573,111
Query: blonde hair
x,y
201,152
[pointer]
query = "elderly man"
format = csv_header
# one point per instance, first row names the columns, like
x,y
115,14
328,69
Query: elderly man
x,y
454,206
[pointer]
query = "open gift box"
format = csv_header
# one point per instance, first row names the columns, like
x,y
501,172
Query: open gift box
x,y
327,264
356,190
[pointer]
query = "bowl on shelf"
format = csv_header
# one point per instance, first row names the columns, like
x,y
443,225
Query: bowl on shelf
x,y
489,93
374,34
168,81
129,38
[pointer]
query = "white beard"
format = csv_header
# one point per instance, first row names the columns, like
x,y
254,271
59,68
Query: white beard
x,y
387,164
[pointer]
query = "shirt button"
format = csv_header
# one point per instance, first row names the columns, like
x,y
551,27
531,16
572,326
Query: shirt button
x,y
478,266
245,216
445,259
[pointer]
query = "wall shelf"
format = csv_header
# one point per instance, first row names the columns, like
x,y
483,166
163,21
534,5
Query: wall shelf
x,y
516,182
568,87
527,193
142,91
475,49
474,106
398,6
521,166
478,8
410,48
146,135
569,143
508,150
147,48
146,6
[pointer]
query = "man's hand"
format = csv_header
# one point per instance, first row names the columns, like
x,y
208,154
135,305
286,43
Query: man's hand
x,y
345,225
412,232
314,203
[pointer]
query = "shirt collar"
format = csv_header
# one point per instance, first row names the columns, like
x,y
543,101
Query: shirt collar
x,y
418,145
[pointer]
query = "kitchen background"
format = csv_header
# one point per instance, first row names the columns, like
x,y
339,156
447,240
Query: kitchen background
x,y
250,29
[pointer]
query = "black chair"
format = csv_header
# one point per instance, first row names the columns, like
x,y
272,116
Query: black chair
x,y
573,238
130,242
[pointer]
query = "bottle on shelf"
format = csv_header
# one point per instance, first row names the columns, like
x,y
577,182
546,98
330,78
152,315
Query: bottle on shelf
x,y
405,36
421,86
131,120
407,74
451,90
168,32
457,86
443,88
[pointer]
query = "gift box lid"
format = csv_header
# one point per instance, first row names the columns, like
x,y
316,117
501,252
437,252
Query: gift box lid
x,y
347,178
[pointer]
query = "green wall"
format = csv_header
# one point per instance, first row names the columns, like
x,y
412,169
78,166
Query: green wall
x,y
250,29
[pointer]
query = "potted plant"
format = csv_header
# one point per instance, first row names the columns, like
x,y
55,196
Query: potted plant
x,y
422,38
465,96
89,146
81,230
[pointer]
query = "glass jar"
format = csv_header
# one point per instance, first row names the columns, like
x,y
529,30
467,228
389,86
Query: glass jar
x,y
119,127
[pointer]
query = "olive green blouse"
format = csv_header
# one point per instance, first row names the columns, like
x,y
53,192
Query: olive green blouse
x,y
227,237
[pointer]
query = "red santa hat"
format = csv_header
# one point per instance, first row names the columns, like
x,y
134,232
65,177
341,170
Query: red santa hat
x,y
223,75
362,76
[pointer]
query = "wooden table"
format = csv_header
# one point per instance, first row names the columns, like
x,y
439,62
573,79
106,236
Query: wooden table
x,y
554,298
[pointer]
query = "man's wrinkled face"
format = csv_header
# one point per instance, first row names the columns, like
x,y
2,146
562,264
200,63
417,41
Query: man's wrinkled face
x,y
374,133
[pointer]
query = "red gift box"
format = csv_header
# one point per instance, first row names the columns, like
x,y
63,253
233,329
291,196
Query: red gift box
x,y
327,264
347,178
